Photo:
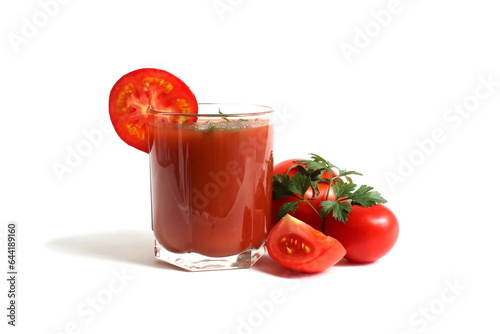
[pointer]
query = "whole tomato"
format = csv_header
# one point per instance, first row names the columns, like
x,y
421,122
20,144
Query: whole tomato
x,y
304,211
368,234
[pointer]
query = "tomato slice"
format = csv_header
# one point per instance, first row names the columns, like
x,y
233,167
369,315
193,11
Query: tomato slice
x,y
134,92
298,246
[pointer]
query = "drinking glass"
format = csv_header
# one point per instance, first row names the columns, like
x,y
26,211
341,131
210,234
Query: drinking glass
x,y
211,185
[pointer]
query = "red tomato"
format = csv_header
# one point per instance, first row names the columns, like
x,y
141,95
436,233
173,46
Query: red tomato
x,y
368,234
304,211
297,246
133,93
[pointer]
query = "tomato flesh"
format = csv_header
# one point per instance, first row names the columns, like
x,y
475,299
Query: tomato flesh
x,y
298,246
134,92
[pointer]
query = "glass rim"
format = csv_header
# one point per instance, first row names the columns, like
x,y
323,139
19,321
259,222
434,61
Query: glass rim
x,y
264,110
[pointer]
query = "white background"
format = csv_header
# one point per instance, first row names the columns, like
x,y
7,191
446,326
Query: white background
x,y
366,110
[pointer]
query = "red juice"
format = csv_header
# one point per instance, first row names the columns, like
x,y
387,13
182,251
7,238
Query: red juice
x,y
211,184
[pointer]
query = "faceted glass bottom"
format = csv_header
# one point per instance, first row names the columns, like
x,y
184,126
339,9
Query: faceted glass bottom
x,y
199,262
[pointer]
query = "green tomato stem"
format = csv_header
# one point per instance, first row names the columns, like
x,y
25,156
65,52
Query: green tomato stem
x,y
312,207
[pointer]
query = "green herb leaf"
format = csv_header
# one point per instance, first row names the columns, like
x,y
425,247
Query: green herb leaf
x,y
280,186
317,164
366,196
343,189
299,184
287,207
210,128
339,210
314,186
312,164
225,116
344,173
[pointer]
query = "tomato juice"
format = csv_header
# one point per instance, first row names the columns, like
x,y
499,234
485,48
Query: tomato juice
x,y
211,183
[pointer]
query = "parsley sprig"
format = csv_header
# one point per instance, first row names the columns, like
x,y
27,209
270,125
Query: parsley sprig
x,y
224,116
310,173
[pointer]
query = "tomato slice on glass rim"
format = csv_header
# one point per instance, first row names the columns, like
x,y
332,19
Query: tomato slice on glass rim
x,y
298,246
135,92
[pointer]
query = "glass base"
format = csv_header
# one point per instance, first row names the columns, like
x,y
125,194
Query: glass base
x,y
199,262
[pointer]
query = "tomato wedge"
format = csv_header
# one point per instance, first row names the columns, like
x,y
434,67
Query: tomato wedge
x,y
134,92
298,246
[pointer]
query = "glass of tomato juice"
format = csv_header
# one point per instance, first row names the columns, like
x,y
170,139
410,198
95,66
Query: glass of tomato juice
x,y
211,185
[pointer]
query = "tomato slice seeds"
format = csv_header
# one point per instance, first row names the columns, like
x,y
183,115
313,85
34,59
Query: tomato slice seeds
x,y
295,245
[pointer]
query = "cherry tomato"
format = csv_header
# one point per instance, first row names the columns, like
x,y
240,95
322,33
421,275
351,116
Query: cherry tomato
x,y
304,211
133,93
368,234
297,246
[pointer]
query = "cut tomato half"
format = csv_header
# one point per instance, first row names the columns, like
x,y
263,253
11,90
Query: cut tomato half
x,y
134,92
298,246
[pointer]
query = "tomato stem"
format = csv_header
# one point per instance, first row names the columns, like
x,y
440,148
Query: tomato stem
x,y
330,185
312,207
303,199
